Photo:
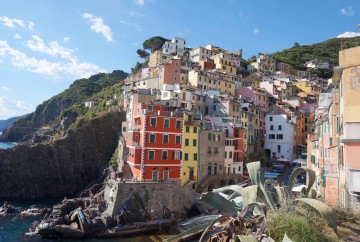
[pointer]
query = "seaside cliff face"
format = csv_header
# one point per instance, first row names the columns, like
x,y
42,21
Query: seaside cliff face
x,y
64,166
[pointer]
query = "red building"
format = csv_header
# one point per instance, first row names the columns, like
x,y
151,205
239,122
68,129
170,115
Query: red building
x,y
155,143
169,72
207,64
238,144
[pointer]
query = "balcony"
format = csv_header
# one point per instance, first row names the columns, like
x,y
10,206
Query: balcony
x,y
192,123
160,113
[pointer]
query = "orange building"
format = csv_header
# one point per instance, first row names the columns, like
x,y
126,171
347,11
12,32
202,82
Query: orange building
x,y
155,143
169,72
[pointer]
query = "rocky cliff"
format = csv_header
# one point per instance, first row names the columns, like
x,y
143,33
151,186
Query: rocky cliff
x,y
64,166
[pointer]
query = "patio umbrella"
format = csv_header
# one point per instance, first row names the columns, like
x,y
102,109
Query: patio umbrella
x,y
300,161
283,159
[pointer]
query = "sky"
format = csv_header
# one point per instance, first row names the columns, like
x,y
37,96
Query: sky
x,y
46,45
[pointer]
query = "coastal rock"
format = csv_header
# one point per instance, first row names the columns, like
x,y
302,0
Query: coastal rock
x,y
64,166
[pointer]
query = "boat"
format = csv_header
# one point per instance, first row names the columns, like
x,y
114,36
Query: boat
x,y
136,228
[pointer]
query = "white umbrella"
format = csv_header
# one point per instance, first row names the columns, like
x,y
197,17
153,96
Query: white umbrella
x,y
300,161
283,159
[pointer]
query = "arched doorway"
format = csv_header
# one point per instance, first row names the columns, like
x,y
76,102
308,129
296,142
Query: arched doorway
x,y
211,187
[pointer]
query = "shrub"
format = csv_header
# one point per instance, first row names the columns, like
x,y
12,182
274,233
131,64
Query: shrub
x,y
297,228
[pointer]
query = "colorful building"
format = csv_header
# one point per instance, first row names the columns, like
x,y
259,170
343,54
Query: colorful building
x,y
155,143
190,150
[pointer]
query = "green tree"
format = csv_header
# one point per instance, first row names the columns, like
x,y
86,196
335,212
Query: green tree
x,y
154,43
142,53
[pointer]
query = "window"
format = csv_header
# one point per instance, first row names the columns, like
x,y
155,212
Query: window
x,y
279,127
176,155
279,136
152,138
209,150
166,139
271,118
225,153
186,156
216,150
194,142
209,136
151,154
230,154
166,123
186,142
279,148
152,122
195,156
150,108
271,127
178,124
195,130
187,129
164,155
177,139
271,136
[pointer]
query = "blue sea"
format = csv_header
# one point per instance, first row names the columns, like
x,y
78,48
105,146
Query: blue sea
x,y
13,228
6,145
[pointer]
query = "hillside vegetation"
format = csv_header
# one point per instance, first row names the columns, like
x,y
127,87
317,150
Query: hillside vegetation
x,y
328,50
76,94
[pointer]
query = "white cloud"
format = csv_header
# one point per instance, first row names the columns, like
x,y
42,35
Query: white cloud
x,y
6,89
67,65
17,36
97,25
12,108
66,39
348,35
31,25
135,14
347,11
256,31
243,15
125,22
53,48
140,2
134,25
11,22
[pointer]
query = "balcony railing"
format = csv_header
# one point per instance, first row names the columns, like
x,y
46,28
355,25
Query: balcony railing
x,y
160,113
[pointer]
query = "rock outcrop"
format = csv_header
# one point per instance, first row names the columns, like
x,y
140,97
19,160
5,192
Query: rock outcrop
x,y
64,166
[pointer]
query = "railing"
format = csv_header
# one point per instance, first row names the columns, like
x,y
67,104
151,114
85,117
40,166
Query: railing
x,y
160,113
193,123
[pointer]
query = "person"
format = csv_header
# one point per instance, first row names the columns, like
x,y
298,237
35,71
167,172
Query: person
x,y
8,205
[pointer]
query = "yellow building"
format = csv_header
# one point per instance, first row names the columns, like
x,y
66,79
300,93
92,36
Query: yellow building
x,y
307,86
225,63
158,58
190,151
213,80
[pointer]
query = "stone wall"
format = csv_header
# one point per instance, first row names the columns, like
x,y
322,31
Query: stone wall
x,y
154,195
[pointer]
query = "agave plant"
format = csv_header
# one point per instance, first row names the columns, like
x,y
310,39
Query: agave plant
x,y
243,208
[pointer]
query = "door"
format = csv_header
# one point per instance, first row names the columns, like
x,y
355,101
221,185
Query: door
x,y
155,175
191,173
166,175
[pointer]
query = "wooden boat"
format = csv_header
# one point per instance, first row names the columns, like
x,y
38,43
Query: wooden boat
x,y
137,228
